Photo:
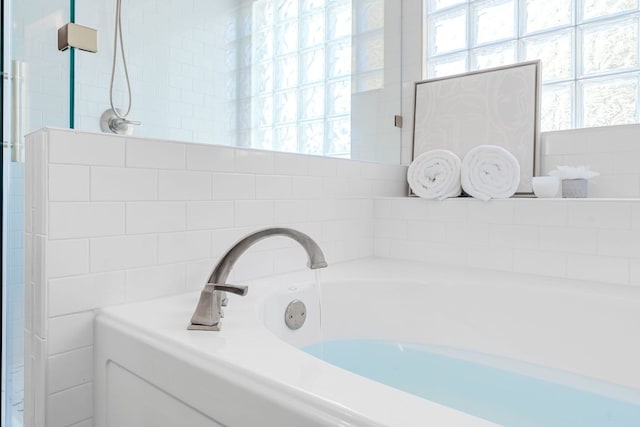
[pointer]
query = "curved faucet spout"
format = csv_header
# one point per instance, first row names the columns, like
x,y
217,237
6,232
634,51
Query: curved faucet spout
x,y
222,270
209,310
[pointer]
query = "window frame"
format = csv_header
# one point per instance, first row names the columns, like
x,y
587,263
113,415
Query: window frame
x,y
577,78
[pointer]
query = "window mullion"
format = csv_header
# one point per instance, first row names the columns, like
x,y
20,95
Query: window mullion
x,y
470,39
578,64
299,132
274,33
325,135
516,30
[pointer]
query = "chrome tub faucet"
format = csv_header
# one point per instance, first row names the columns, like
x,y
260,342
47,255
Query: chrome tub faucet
x,y
208,312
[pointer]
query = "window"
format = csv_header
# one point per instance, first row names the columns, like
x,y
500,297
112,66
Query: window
x,y
294,76
589,52
293,66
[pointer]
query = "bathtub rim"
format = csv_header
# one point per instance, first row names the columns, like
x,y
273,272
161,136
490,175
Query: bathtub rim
x,y
329,408
169,336
128,321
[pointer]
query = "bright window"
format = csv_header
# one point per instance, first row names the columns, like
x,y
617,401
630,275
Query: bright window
x,y
293,66
305,49
589,52
293,88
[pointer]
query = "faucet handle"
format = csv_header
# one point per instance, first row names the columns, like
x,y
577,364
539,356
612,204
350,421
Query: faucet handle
x,y
234,289
209,311
206,317
223,300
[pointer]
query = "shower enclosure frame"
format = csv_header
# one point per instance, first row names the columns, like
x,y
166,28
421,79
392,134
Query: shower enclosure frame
x,y
21,65
3,346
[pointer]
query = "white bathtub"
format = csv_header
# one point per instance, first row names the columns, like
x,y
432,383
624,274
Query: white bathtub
x,y
151,371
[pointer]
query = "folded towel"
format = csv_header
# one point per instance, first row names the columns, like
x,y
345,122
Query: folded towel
x,y
490,172
435,174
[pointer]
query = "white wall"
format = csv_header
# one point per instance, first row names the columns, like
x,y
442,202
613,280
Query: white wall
x,y
587,239
613,151
592,239
184,60
111,220
374,136
177,54
412,62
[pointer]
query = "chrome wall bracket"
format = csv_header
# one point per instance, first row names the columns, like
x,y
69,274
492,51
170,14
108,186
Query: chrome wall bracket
x,y
78,36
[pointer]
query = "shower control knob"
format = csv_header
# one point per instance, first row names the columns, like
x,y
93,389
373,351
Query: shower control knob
x,y
111,123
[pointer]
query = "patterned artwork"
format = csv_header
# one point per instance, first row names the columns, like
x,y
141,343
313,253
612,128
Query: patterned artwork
x,y
496,107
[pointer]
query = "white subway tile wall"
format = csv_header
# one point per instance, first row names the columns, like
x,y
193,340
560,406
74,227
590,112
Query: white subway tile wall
x,y
181,48
69,407
69,183
76,294
74,331
184,185
583,239
68,369
85,149
73,220
118,184
155,217
167,155
112,219
634,273
205,215
613,151
200,58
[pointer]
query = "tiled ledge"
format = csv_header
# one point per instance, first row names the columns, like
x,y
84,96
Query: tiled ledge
x,y
519,198
587,239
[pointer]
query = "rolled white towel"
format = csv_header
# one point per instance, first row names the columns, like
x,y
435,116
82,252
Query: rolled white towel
x,y
435,174
490,172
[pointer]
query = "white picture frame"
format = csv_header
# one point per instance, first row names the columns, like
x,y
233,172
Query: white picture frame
x,y
497,106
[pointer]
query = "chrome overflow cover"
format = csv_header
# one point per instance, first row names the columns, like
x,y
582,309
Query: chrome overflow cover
x,y
295,314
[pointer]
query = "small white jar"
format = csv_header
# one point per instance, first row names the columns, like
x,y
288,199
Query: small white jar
x,y
546,186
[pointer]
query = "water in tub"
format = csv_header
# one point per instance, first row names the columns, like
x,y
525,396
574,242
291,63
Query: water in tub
x,y
320,345
511,397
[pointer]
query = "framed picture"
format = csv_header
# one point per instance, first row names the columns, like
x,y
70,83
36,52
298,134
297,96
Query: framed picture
x,y
497,106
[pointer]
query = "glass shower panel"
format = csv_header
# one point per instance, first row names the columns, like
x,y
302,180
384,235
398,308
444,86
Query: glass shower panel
x,y
44,70
176,57
280,75
35,95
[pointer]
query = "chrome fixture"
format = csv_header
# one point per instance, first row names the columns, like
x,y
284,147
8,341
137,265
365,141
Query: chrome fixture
x,y
295,314
78,36
114,120
116,123
209,309
16,141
